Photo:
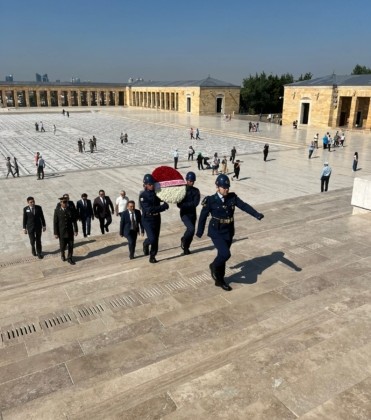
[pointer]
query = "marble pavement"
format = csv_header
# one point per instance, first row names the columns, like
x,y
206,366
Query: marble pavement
x,y
110,339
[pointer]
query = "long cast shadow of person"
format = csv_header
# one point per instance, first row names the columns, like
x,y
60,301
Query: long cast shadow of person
x,y
251,269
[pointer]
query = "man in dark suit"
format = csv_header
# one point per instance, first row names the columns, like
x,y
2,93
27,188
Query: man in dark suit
x,y
85,214
65,228
34,225
131,220
101,208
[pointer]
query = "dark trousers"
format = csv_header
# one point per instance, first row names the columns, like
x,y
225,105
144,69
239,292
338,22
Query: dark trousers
x,y
232,158
324,183
86,225
189,221
105,222
265,155
175,163
132,241
40,172
35,239
200,165
66,243
223,247
152,227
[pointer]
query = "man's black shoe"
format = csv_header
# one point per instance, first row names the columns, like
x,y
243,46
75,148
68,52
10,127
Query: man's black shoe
x,y
106,227
131,257
145,249
186,251
213,274
34,252
225,286
71,261
63,258
153,260
40,256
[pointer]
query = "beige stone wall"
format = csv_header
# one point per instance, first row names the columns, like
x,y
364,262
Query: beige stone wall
x,y
327,104
208,100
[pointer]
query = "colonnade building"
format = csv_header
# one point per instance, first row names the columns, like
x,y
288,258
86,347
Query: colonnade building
x,y
330,101
206,96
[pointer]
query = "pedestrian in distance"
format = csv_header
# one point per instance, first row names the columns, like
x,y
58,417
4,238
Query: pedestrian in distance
x,y
9,167
198,134
191,133
191,152
151,208
325,176
36,126
176,157
236,169
40,168
54,129
200,160
95,143
42,129
224,168
16,167
188,213
265,151
233,154
315,139
221,207
355,161
33,225
311,149
79,145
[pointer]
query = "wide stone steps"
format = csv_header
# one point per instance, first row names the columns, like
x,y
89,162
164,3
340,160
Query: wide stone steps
x,y
126,339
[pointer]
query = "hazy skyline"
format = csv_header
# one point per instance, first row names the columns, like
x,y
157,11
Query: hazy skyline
x,y
112,40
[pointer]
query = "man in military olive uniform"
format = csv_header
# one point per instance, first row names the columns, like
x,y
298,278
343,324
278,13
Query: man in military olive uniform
x,y
221,207
188,212
151,208
65,228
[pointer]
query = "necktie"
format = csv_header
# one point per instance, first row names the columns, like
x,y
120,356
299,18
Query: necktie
x,y
33,211
84,203
133,224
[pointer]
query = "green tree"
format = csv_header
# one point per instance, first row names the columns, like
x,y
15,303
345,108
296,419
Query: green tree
x,y
361,70
307,76
263,94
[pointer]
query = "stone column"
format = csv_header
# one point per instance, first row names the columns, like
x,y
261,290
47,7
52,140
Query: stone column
x,y
352,112
78,92
38,96
88,97
48,98
27,98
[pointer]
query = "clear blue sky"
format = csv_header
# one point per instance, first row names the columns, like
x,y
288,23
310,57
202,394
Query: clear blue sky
x,y
112,40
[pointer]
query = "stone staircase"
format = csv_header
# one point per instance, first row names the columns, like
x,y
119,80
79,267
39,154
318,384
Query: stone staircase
x,y
112,338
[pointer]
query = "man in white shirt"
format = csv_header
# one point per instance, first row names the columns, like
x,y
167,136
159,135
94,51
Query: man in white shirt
x,y
121,204
176,157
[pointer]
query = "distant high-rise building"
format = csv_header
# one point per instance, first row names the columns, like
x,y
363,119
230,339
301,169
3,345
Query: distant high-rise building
x,y
9,78
42,78
75,79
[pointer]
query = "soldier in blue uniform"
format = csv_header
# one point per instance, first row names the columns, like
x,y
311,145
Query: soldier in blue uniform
x,y
188,212
221,207
151,208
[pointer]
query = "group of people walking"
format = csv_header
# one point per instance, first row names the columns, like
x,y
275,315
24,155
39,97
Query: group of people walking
x,y
219,206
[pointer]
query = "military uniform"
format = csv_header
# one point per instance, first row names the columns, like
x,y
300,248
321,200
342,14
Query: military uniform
x,y
188,215
151,208
65,227
221,228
